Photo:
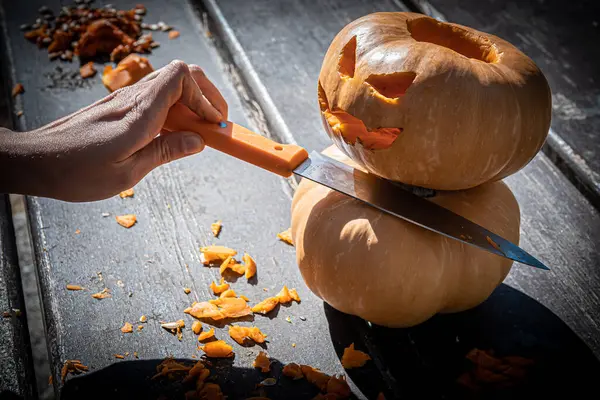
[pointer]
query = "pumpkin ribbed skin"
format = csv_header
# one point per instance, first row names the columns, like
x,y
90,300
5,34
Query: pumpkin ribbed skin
x,y
389,271
470,107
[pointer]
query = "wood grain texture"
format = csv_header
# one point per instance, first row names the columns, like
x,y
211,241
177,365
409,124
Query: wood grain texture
x,y
558,37
148,266
16,372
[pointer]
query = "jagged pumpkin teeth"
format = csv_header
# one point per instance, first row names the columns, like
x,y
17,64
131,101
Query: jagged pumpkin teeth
x,y
206,335
218,289
293,370
354,358
250,265
262,362
217,349
213,254
266,305
241,333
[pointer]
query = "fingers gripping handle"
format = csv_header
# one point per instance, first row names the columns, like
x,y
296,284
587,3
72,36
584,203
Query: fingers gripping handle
x,y
239,142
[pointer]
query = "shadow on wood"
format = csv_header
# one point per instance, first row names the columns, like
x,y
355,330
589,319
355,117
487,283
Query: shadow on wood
x,y
133,380
426,361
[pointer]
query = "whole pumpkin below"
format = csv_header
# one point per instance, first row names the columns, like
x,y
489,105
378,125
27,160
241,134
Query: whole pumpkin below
x,y
389,271
432,104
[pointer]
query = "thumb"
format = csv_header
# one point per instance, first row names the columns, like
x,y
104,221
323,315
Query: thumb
x,y
164,149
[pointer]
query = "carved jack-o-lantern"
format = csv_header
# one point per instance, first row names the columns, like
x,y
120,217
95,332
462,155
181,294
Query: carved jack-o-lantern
x,y
432,104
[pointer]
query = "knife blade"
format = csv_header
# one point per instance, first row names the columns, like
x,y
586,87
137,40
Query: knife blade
x,y
288,159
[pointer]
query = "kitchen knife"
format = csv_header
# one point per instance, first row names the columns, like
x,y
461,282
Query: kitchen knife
x,y
288,159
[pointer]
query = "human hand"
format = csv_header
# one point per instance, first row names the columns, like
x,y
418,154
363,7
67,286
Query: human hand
x,y
112,144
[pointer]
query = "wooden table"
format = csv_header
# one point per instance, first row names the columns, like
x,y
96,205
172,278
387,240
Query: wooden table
x,y
265,57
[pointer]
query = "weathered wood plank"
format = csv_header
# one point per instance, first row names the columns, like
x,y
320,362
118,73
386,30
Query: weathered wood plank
x,y
16,374
284,44
147,266
558,37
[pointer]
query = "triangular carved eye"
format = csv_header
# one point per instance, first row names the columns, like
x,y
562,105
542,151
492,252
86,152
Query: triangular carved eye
x,y
391,85
347,61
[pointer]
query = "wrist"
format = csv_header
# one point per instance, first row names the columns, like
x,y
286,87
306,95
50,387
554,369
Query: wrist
x,y
20,163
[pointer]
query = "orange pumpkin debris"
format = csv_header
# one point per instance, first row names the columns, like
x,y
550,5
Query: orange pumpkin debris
x,y
127,220
218,289
244,297
262,361
143,318
228,293
231,263
316,377
119,356
216,227
293,370
169,367
294,295
129,70
206,335
197,327
102,295
241,333
354,358
217,349
212,254
266,305
74,287
286,236
187,290
87,70
338,387
127,328
18,89
250,265
72,367
199,373
210,391
229,307
284,295
173,35
126,193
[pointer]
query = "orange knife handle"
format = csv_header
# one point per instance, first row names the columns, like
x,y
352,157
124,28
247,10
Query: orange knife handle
x,y
239,142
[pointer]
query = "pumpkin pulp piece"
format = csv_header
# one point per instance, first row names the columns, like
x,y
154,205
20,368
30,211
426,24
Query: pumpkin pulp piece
x,y
212,254
217,349
293,370
240,333
250,265
206,335
338,387
262,362
197,327
354,358
232,307
286,237
216,228
316,377
205,310
127,220
266,305
284,295
218,289
130,70
228,293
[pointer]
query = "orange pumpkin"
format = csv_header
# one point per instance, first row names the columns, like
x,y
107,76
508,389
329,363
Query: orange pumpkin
x,y
389,271
432,104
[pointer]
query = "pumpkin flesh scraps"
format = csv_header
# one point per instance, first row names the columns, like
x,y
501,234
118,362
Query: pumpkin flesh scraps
x,y
217,349
250,266
127,220
266,305
127,328
228,293
262,361
221,308
126,193
129,71
354,358
338,387
214,254
293,370
241,333
286,236
102,295
218,289
490,372
216,228
316,377
206,335
197,327
232,264
352,129
74,367
170,368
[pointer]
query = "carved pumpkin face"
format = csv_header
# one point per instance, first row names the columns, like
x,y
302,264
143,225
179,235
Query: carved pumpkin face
x,y
432,104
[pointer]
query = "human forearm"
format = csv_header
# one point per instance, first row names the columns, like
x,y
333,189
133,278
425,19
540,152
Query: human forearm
x,y
21,160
